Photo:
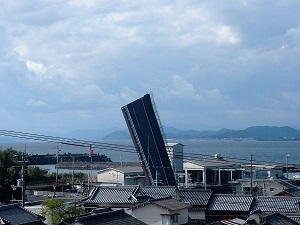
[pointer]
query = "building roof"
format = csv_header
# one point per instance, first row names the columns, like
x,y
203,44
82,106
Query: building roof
x,y
278,204
119,217
170,144
273,218
124,169
112,194
198,198
158,192
214,163
226,202
14,214
290,192
169,204
129,194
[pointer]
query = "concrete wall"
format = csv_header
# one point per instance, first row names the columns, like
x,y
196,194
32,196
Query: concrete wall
x,y
111,176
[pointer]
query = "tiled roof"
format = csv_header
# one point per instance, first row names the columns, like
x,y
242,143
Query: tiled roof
x,y
279,219
119,194
225,202
170,204
292,192
106,218
196,197
273,218
278,204
157,192
15,215
286,184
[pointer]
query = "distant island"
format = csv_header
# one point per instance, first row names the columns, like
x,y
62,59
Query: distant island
x,y
255,132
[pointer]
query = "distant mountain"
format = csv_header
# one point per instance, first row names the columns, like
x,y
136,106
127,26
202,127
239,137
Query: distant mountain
x,y
256,132
261,132
90,134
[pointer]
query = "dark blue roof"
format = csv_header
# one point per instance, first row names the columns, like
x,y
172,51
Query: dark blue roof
x,y
16,215
119,217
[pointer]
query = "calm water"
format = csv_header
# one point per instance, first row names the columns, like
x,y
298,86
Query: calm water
x,y
265,151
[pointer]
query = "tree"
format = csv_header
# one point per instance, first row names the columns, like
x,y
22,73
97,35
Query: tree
x,y
53,209
9,173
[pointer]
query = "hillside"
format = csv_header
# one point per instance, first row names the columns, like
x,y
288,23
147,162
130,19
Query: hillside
x,y
256,132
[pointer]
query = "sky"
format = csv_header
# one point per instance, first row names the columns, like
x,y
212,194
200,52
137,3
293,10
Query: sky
x,y
71,65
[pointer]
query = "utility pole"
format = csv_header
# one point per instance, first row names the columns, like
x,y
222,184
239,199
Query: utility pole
x,y
21,181
287,166
251,179
56,178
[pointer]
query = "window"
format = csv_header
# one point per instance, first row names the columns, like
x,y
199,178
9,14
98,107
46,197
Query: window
x,y
174,218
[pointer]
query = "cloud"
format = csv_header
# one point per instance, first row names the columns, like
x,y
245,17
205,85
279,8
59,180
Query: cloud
x,y
36,103
37,68
86,59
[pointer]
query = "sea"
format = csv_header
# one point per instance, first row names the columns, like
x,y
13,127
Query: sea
x,y
261,151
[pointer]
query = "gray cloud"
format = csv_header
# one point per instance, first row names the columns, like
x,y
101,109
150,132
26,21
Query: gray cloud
x,y
208,64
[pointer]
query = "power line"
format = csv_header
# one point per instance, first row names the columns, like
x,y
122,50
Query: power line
x,y
111,147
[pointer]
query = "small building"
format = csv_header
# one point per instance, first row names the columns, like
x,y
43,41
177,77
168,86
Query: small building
x,y
175,153
261,218
211,171
126,197
262,171
166,211
199,199
14,214
261,187
128,175
224,206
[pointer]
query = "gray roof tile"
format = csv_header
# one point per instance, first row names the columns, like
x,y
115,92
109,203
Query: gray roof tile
x,y
16,215
170,204
196,197
157,192
278,204
122,194
225,202
118,217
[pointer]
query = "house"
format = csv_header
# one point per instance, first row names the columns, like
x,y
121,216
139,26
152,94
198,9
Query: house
x,y
103,217
266,218
168,211
14,214
261,187
260,218
279,204
225,206
126,196
199,199
127,175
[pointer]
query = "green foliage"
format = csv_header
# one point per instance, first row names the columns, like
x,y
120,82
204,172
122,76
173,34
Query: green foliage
x,y
34,173
53,209
9,173
72,211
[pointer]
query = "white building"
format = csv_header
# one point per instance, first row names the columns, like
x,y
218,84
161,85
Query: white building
x,y
162,212
175,153
128,175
